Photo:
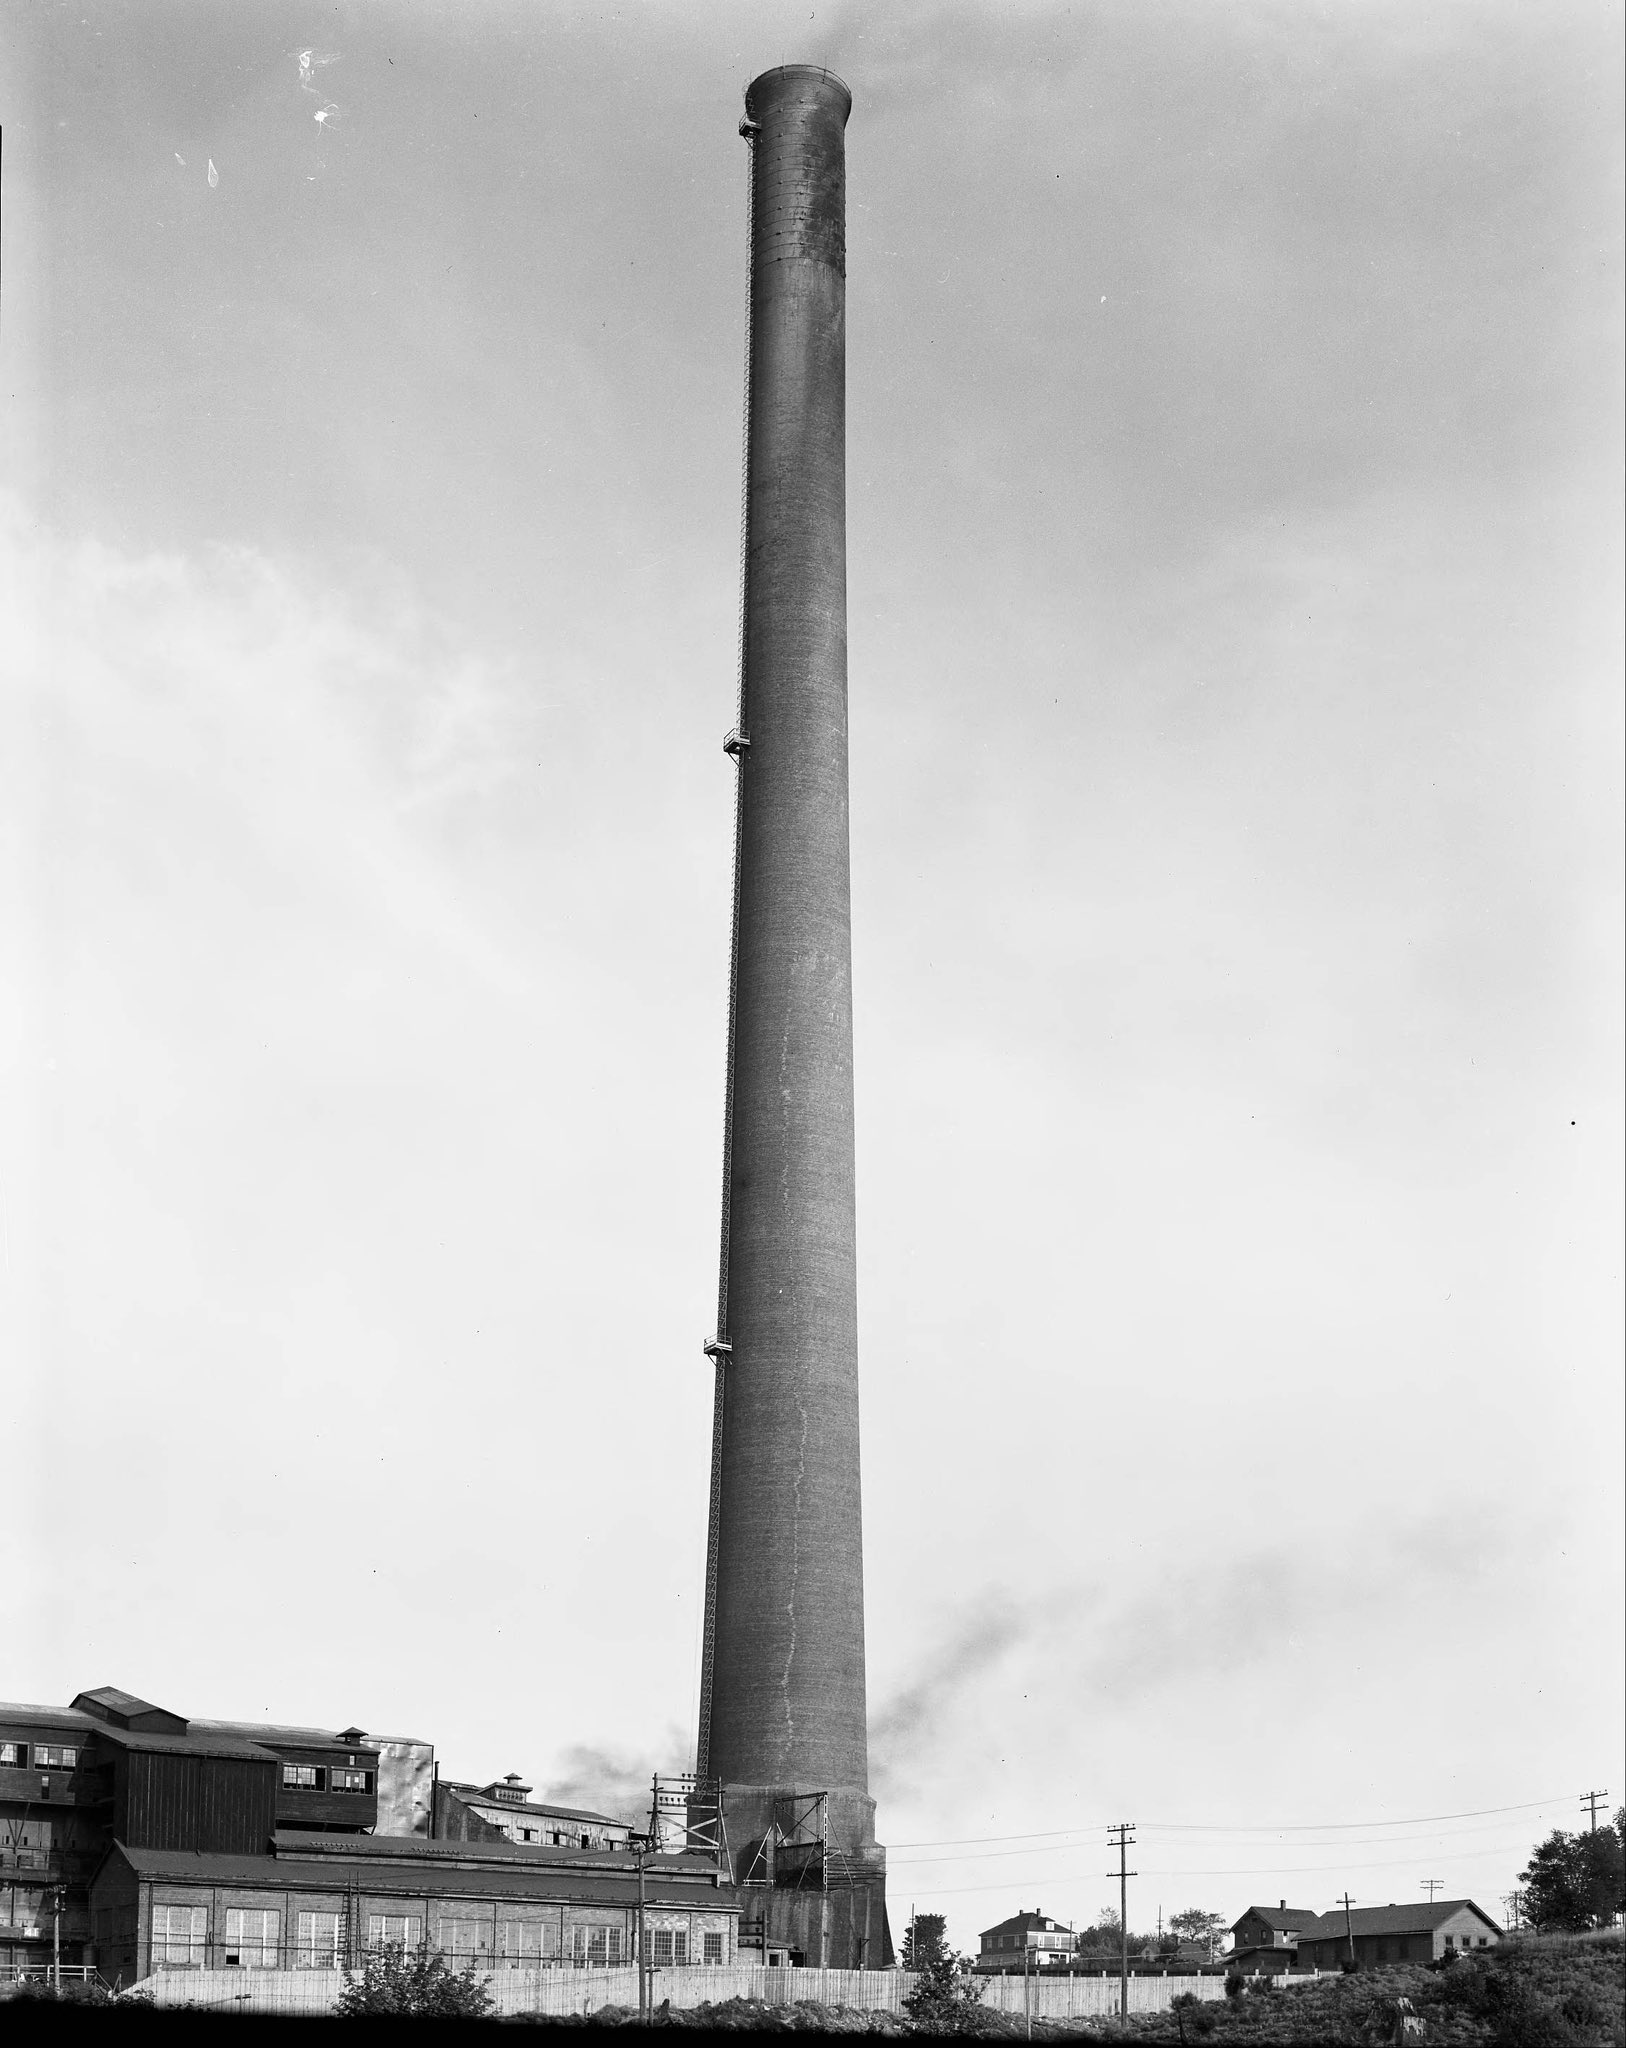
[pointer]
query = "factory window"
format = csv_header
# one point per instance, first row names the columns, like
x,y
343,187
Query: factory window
x,y
252,1935
596,1947
303,1777
14,1753
467,1938
55,1756
527,1834
587,1841
320,1947
393,1930
179,1936
669,1946
711,1948
529,1944
351,1781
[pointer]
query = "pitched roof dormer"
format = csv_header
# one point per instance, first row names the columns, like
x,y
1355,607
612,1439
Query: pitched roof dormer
x,y
123,1710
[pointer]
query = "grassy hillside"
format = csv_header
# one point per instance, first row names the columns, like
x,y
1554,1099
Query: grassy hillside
x,y
1566,1991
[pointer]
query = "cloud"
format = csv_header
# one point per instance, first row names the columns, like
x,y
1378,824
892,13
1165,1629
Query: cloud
x,y
315,738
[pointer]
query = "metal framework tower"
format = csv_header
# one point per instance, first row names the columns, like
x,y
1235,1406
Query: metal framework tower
x,y
782,1717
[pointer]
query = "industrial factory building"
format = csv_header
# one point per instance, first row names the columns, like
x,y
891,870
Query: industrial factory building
x,y
135,1839
504,1811
317,1902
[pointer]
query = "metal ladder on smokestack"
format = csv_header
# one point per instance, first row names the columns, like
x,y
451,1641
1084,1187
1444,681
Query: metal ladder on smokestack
x,y
737,744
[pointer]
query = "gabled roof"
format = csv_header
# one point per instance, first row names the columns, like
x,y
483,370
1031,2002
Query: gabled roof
x,y
482,1794
69,1721
1422,1918
124,1710
1280,1919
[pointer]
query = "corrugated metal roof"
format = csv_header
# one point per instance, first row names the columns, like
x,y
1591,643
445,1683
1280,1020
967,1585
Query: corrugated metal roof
x,y
183,1745
16,1713
543,1883
1422,1918
289,1738
521,1855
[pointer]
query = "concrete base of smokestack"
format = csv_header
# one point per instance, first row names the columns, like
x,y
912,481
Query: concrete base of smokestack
x,y
839,1925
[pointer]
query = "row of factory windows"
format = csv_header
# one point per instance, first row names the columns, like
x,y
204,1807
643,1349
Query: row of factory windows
x,y
180,1941
48,1756
326,1778
64,1756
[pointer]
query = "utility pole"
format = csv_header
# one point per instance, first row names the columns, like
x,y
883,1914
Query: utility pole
x,y
640,1845
1431,1885
1513,1901
56,1940
1590,1800
1120,1836
1349,1926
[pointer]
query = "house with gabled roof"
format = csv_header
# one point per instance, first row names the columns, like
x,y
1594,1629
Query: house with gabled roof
x,y
1267,1937
1025,1941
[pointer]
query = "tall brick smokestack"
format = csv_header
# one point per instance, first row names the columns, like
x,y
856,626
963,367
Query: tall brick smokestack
x,y
782,1700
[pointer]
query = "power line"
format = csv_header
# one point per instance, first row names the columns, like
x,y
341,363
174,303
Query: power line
x,y
1242,1827
1062,1848
1029,1878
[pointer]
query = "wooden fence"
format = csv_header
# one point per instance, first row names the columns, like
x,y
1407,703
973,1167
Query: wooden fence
x,y
585,1991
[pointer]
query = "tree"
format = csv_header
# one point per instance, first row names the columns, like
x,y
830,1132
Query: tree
x,y
948,1998
422,1983
926,1941
1573,1882
1196,1925
1101,1937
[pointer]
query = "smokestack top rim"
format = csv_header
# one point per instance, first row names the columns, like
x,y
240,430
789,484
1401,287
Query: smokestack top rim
x,y
799,71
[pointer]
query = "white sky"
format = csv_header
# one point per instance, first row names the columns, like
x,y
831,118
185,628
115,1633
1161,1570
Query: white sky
x,y
1235,529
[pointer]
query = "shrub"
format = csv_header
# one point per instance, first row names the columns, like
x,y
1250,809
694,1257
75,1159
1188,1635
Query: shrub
x,y
425,1983
1189,2010
948,1998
